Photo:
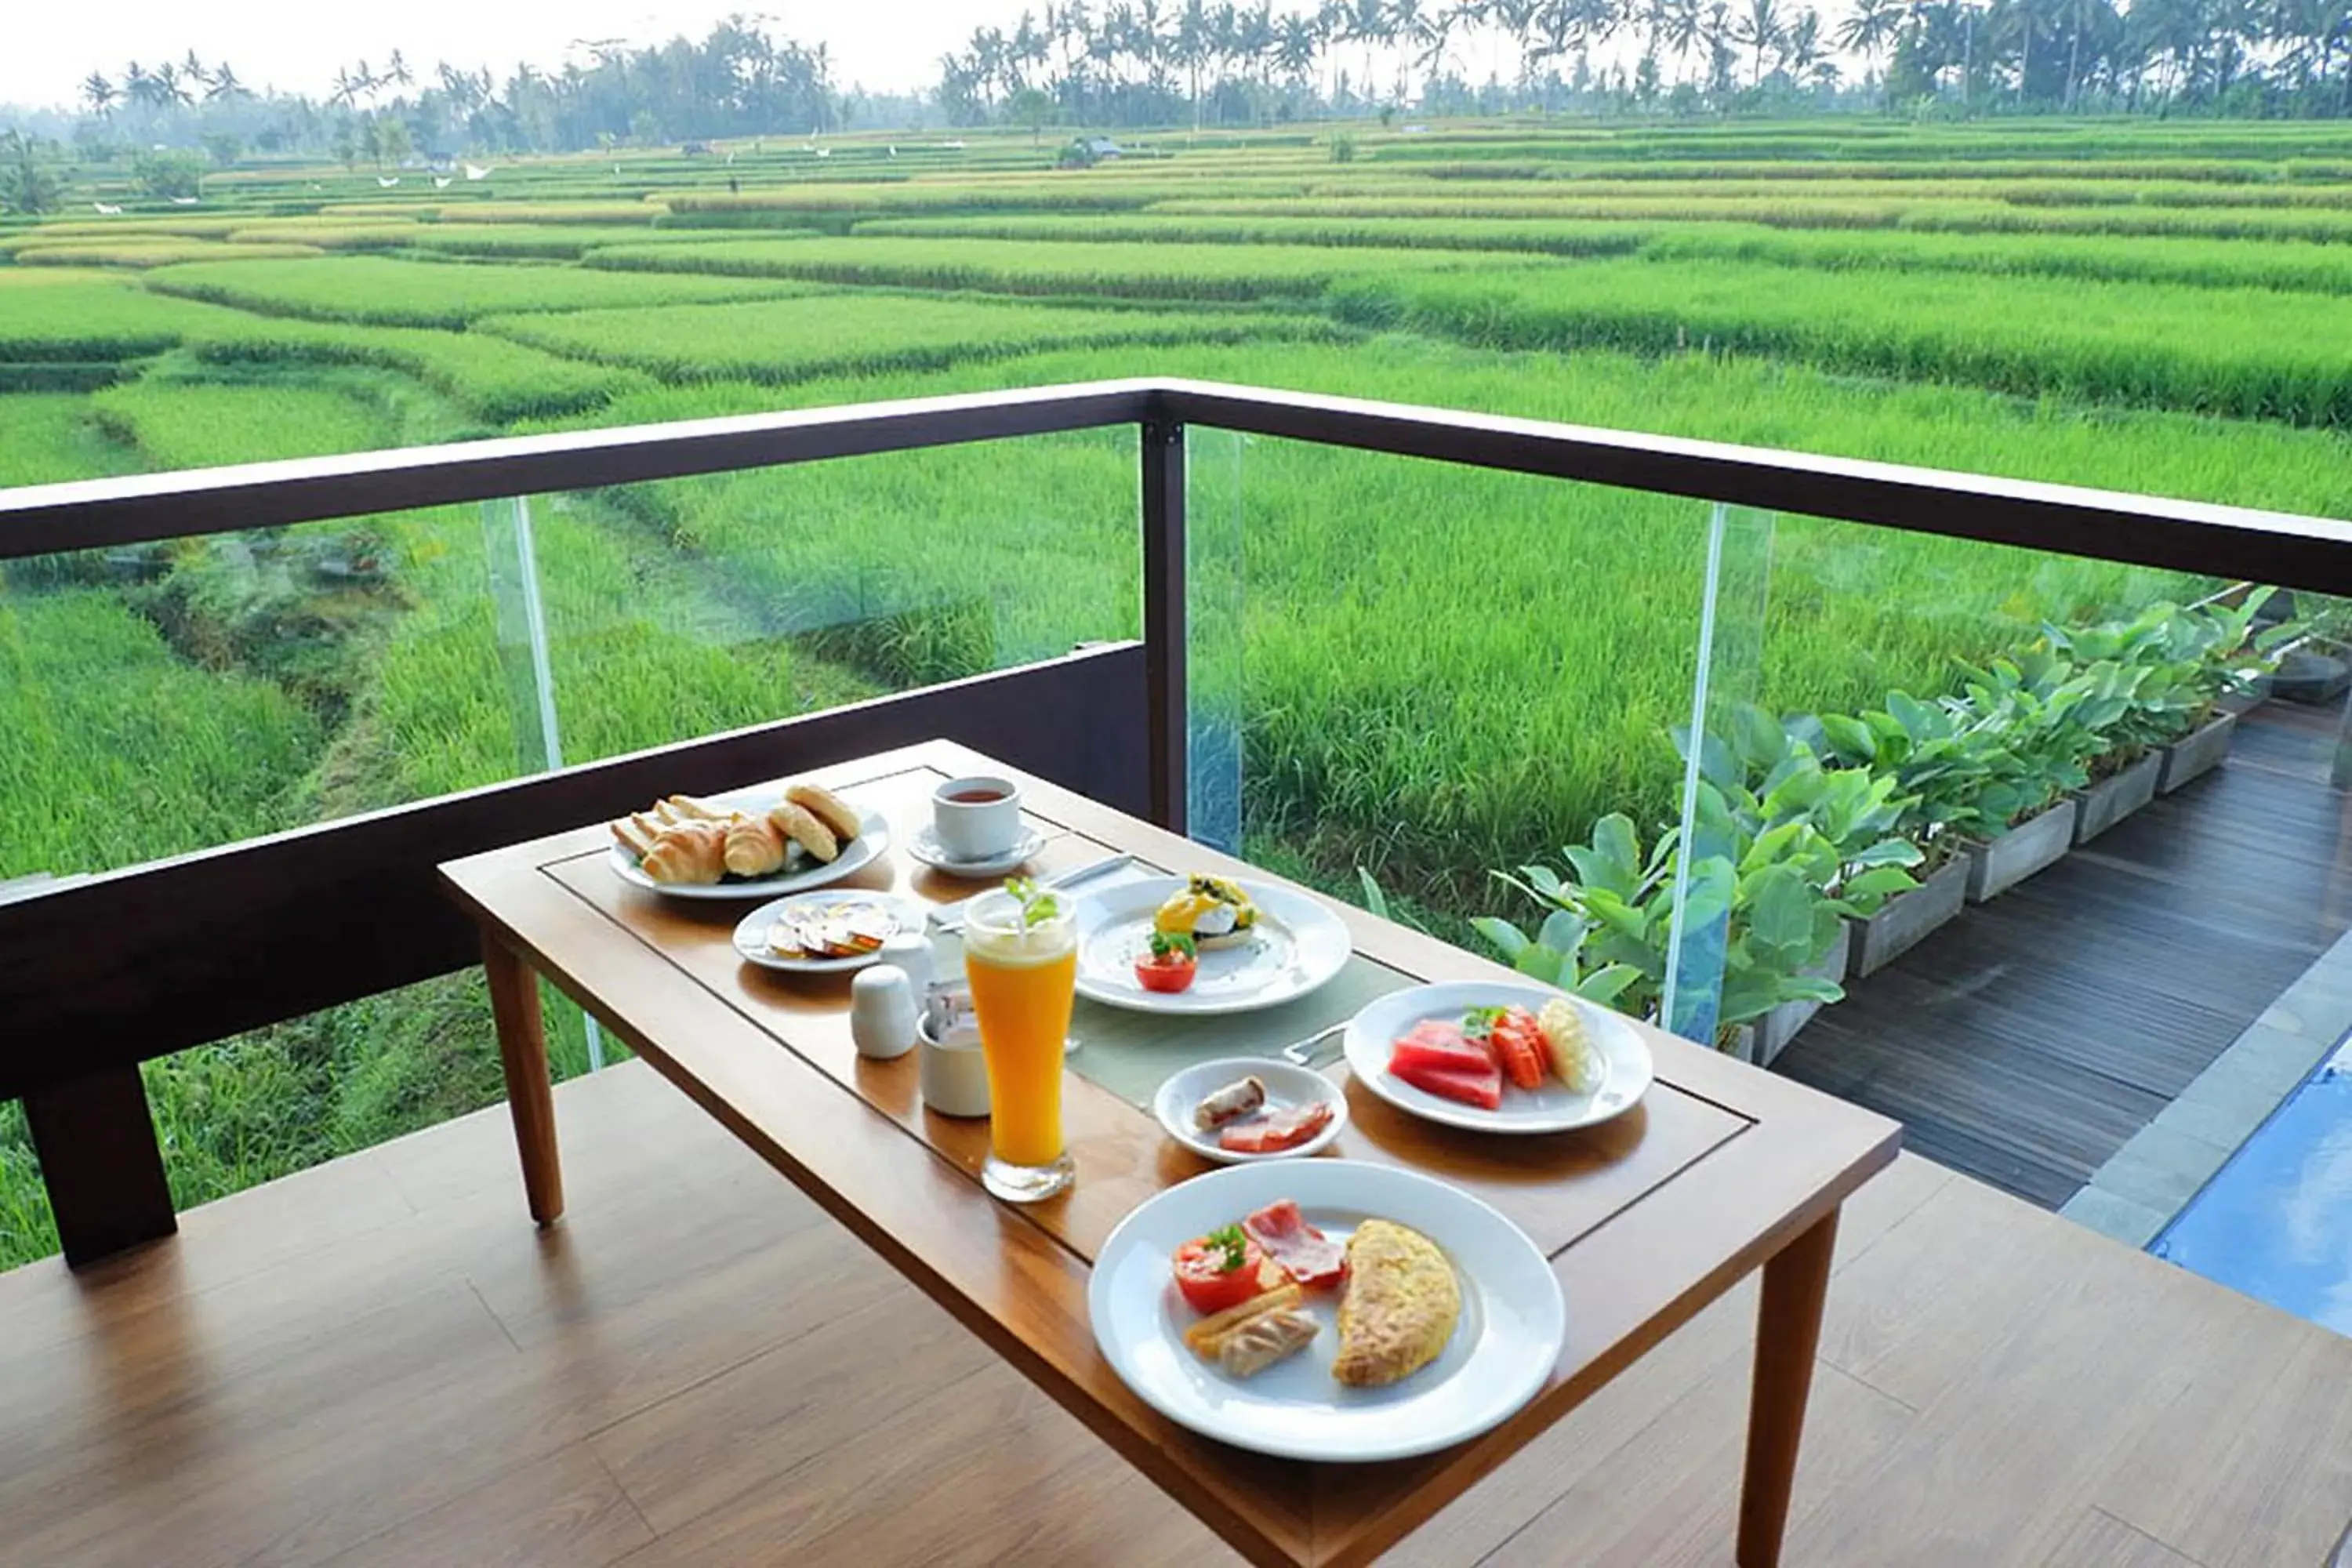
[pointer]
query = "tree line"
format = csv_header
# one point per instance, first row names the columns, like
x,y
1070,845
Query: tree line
x,y
1147,62
739,81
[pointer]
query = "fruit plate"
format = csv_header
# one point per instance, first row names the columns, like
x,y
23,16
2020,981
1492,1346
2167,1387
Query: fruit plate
x,y
1296,947
1286,1086
800,872
1502,1352
1553,1108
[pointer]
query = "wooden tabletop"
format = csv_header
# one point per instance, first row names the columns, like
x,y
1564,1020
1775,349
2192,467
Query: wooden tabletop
x,y
1646,1218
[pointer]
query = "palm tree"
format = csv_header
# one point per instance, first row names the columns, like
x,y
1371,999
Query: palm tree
x,y
1297,42
100,94
1368,23
1869,27
1802,42
170,90
1762,30
225,88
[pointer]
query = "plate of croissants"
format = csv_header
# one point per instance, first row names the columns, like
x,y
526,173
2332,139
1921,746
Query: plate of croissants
x,y
738,848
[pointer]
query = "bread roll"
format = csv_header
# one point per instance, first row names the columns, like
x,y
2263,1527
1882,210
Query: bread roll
x,y
691,854
753,846
838,814
795,823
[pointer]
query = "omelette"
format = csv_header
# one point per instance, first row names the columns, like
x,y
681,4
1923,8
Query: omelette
x,y
1400,1308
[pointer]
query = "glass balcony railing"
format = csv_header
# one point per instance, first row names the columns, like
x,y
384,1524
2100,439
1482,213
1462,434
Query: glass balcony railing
x,y
2014,813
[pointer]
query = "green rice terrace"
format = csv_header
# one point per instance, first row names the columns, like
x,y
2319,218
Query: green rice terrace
x,y
1436,672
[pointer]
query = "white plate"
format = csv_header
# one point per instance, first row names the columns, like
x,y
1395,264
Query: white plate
x,y
1551,1109
800,872
1502,1352
751,931
924,847
1299,946
1286,1086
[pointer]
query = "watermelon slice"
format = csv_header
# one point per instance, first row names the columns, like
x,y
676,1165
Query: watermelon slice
x,y
1481,1087
1439,1047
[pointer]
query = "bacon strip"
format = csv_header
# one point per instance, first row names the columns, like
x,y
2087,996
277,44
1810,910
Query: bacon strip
x,y
1301,1251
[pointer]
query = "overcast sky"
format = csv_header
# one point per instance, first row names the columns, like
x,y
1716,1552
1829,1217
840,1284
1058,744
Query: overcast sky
x,y
48,46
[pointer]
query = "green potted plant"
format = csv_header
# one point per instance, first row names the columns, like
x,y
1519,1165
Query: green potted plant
x,y
1770,775
2159,690
1781,887
2226,651
2050,717
1941,764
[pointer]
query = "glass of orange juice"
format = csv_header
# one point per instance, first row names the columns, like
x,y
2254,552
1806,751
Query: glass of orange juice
x,y
1021,952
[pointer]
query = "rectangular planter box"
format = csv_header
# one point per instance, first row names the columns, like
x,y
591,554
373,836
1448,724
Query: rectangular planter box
x,y
1907,918
1775,1029
1996,866
2112,799
2199,752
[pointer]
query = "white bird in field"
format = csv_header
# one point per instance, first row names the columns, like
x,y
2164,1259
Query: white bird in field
x,y
107,210
387,181
825,152
894,151
443,182
474,171
730,160
184,201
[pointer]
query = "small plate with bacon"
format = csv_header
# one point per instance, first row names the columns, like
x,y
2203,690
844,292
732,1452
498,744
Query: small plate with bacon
x,y
1244,1109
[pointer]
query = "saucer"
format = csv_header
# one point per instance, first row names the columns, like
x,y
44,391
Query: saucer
x,y
924,846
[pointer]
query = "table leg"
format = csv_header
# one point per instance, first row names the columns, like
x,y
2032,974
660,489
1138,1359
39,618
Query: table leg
x,y
522,1051
1788,1328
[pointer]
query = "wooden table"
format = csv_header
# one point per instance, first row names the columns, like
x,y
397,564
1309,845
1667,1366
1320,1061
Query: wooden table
x,y
1646,1219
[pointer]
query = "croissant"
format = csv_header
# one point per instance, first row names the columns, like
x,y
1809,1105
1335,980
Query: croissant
x,y
753,846
692,853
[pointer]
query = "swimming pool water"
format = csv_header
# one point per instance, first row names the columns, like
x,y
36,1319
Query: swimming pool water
x,y
2275,1221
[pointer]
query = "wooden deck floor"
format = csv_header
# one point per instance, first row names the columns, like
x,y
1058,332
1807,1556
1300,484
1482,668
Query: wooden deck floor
x,y
380,1362
2026,1041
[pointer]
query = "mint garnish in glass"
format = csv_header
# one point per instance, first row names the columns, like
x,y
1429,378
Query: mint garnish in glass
x,y
1037,904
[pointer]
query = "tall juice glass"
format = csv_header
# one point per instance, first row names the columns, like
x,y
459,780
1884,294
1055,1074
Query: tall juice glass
x,y
1023,972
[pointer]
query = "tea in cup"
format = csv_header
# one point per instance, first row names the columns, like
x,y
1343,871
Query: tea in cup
x,y
977,819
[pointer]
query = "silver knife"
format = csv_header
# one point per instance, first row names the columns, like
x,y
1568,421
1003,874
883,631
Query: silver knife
x,y
950,918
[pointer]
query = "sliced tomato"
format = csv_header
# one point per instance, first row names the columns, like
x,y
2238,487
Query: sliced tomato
x,y
1518,1048
1210,1279
1167,974
1273,1132
1483,1088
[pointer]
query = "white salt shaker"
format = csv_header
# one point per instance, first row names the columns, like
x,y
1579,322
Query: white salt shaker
x,y
881,1012
952,1072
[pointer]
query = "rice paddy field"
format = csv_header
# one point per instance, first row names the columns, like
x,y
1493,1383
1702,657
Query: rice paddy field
x,y
1428,672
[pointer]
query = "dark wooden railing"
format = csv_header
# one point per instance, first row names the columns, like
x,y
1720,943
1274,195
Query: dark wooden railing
x,y
104,973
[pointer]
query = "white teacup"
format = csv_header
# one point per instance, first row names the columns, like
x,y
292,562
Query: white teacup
x,y
977,819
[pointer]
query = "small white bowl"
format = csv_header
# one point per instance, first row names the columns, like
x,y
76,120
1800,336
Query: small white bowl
x,y
1286,1086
